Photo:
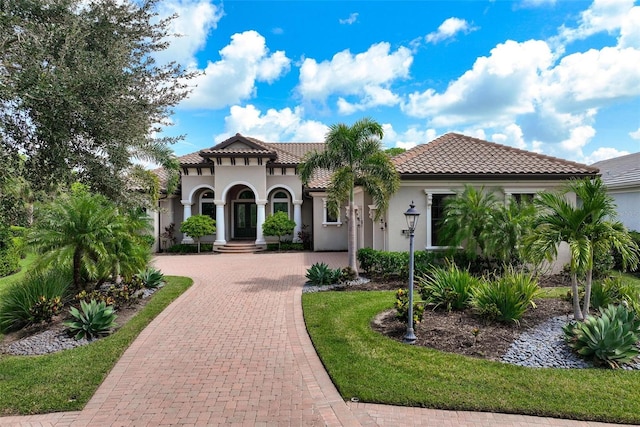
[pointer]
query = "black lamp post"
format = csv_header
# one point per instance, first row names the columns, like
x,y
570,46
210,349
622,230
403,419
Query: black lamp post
x,y
411,215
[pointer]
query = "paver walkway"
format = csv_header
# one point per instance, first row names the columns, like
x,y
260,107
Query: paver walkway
x,y
233,350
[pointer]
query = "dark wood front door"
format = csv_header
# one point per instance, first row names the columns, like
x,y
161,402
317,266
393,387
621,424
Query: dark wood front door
x,y
245,218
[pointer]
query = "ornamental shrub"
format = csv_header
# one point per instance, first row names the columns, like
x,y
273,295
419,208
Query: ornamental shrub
x,y
449,288
9,254
35,299
319,274
92,320
507,298
402,307
612,290
278,225
198,226
609,339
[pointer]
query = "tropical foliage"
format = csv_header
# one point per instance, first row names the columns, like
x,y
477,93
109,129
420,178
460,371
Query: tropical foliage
x,y
278,225
92,320
448,288
82,96
88,233
588,227
610,338
354,156
320,274
198,226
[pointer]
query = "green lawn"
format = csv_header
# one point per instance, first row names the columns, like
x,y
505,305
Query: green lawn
x,y
25,263
65,381
373,368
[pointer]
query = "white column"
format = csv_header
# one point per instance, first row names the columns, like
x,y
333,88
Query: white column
x,y
261,215
220,225
428,220
297,218
186,204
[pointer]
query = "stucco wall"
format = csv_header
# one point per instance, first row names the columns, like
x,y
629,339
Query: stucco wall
x,y
628,207
327,237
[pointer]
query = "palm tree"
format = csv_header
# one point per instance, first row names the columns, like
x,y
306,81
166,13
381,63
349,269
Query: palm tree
x,y
354,156
85,231
588,227
467,217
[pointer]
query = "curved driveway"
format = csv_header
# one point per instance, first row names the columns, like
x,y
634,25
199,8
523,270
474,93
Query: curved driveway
x,y
233,350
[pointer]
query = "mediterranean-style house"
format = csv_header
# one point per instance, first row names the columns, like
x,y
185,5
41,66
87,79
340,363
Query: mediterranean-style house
x,y
621,175
242,180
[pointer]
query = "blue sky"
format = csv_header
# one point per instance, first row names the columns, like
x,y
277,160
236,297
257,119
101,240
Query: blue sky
x,y
557,77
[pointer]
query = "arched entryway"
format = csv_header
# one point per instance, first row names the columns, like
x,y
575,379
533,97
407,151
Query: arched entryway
x,y
244,219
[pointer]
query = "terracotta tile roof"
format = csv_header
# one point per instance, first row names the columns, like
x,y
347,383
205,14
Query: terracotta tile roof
x,y
620,171
191,159
455,154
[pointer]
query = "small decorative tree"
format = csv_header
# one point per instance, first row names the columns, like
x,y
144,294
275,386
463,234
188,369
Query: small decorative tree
x,y
197,226
279,225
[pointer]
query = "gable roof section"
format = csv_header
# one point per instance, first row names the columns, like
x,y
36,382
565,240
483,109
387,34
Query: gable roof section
x,y
239,146
458,155
620,171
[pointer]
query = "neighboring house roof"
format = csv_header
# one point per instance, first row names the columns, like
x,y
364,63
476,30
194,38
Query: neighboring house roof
x,y
621,171
459,155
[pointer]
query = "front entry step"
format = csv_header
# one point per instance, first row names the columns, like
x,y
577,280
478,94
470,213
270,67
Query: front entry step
x,y
239,248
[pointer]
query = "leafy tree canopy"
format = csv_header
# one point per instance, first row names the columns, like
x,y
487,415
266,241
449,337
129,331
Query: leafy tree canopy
x,y
197,226
279,225
82,96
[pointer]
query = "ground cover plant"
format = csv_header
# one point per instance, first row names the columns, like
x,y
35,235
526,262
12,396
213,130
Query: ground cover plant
x,y
374,368
65,381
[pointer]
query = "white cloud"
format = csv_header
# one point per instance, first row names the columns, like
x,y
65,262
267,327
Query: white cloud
x,y
511,135
497,87
630,29
373,96
353,18
407,139
536,3
233,78
274,125
448,29
604,153
195,19
365,76
601,16
635,134
593,79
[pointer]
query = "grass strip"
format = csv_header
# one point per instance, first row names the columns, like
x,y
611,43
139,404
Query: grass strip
x,y
377,369
25,264
65,381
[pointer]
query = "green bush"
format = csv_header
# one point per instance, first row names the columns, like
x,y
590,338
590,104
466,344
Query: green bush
x,y
608,339
320,274
635,235
35,299
402,307
9,254
92,320
182,248
285,246
118,295
449,288
19,240
151,277
507,298
612,290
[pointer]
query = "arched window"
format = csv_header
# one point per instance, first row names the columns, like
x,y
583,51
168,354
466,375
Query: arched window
x,y
207,205
280,203
246,195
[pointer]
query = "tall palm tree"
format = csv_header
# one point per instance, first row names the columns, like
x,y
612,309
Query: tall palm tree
x,y
354,156
587,227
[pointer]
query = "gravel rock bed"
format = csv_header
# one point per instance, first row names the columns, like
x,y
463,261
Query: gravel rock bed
x,y
309,288
45,342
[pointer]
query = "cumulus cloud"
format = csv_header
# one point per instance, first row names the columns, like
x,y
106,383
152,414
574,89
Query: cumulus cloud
x,y
604,153
498,87
233,78
536,3
511,135
195,19
352,19
407,139
635,134
365,76
448,29
601,16
274,125
630,29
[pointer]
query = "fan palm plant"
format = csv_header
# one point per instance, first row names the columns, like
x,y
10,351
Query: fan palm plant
x,y
354,157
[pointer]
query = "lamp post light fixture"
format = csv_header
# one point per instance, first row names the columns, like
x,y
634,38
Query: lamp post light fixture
x,y
411,215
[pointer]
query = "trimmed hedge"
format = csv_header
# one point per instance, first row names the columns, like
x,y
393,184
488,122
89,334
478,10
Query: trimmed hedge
x,y
9,253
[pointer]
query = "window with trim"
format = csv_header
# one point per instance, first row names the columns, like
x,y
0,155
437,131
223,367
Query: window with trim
x,y
207,205
328,217
280,203
521,198
246,195
437,216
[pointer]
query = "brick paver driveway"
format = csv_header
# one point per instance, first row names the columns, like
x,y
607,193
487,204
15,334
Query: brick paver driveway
x,y
233,350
